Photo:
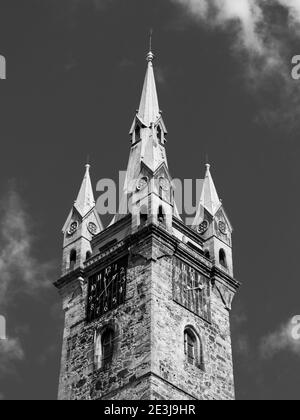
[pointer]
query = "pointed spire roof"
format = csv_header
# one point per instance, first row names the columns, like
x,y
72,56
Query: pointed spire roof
x,y
85,204
148,152
85,200
209,198
149,111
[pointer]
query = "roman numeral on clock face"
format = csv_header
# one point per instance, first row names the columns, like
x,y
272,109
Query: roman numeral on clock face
x,y
107,289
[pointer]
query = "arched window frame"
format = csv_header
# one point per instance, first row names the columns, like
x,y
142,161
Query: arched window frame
x,y
193,357
223,258
73,259
161,216
143,215
102,356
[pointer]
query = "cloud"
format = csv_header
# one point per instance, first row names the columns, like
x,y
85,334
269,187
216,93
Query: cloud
x,y
241,341
280,341
242,345
49,352
21,271
160,75
10,352
262,38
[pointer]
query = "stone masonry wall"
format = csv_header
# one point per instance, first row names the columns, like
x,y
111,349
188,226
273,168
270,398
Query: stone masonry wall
x,y
169,320
126,378
149,360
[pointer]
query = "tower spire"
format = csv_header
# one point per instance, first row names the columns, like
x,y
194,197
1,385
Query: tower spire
x,y
148,133
149,111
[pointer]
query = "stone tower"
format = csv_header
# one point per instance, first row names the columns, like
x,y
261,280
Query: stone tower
x,y
147,299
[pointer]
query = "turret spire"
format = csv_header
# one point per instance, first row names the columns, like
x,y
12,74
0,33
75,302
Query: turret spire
x,y
209,199
82,224
85,200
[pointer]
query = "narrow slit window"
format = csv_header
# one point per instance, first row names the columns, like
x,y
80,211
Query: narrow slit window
x,y
161,215
159,134
137,133
222,258
73,259
143,215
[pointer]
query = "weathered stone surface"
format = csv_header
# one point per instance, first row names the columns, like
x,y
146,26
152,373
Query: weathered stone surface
x,y
149,360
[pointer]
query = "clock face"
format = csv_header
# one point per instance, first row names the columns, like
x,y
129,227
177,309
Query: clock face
x,y
191,289
222,227
202,228
164,183
142,183
107,289
73,228
92,228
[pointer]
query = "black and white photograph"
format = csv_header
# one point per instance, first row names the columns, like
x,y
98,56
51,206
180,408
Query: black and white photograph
x,y
149,203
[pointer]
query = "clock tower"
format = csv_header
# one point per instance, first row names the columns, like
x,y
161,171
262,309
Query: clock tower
x,y
147,300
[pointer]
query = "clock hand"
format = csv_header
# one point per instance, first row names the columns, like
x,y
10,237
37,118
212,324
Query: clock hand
x,y
105,287
194,288
108,285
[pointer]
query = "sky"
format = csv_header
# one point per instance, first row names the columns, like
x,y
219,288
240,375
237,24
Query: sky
x,y
75,70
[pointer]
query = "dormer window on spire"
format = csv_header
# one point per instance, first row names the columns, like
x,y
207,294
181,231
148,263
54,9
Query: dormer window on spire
x,y
159,134
137,134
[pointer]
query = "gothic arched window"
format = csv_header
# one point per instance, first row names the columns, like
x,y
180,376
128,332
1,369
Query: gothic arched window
x,y
193,348
190,346
143,215
88,255
161,215
73,258
104,348
107,342
222,258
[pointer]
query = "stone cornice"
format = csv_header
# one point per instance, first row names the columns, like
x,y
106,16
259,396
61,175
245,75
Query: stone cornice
x,y
218,274
69,277
177,248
